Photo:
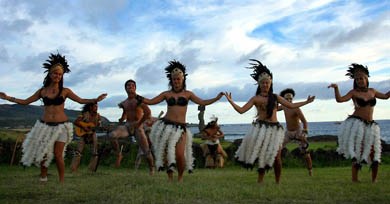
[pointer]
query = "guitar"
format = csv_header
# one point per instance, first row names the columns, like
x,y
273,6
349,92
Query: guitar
x,y
80,131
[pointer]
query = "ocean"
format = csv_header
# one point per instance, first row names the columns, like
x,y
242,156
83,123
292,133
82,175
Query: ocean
x,y
237,131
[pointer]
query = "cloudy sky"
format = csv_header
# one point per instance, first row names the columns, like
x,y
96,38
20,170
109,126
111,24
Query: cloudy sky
x,y
307,44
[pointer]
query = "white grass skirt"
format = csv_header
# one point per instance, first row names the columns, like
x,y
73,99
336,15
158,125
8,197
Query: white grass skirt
x,y
40,142
261,143
357,138
164,137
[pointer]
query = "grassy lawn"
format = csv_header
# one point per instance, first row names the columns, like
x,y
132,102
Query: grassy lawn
x,y
314,145
12,134
229,185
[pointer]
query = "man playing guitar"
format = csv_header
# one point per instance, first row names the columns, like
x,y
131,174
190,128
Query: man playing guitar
x,y
85,127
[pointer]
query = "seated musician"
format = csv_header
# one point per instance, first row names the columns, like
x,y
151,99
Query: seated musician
x,y
85,127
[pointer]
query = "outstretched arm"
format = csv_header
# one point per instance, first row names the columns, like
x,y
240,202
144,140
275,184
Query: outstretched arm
x,y
337,95
29,100
201,102
286,103
236,107
77,99
155,100
381,95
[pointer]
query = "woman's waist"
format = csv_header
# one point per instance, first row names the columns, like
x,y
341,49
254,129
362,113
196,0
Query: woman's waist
x,y
363,115
267,123
54,123
267,120
171,122
54,118
175,118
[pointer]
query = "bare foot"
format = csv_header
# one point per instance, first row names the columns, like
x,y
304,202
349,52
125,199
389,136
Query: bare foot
x,y
374,181
118,160
170,177
310,172
43,180
180,179
260,178
152,170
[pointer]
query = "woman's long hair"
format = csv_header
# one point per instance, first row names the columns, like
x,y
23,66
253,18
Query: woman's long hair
x,y
47,82
258,69
353,69
355,86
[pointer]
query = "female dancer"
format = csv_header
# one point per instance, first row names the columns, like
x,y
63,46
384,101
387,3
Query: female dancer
x,y
359,136
170,136
264,140
53,132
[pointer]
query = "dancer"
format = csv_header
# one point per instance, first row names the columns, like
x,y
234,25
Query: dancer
x,y
53,132
170,136
359,136
135,113
85,127
264,140
294,130
212,149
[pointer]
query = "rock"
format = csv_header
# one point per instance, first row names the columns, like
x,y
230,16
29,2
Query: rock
x,y
322,138
385,146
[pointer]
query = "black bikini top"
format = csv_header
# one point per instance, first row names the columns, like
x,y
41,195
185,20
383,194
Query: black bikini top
x,y
58,100
181,101
53,101
362,103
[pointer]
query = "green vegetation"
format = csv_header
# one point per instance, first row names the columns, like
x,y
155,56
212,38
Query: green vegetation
x,y
228,185
232,184
314,145
12,134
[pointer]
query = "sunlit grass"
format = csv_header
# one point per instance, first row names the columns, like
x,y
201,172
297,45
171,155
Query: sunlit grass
x,y
229,185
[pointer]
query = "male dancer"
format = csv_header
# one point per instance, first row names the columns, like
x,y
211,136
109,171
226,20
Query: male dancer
x,y
135,113
294,129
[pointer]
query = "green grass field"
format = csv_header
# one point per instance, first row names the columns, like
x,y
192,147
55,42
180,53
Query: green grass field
x,y
232,184
229,185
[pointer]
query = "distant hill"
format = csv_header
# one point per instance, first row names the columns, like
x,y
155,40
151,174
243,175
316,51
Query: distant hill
x,y
16,115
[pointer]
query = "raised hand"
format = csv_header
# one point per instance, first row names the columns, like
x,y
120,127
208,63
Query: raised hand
x,y
388,94
228,96
3,95
101,97
333,86
310,99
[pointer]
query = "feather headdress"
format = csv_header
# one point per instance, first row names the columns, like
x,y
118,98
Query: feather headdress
x,y
56,59
286,91
175,67
354,68
260,71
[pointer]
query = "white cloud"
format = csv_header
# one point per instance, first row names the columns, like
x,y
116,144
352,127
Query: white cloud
x,y
108,42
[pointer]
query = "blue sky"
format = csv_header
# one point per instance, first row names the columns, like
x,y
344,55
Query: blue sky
x,y
307,45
